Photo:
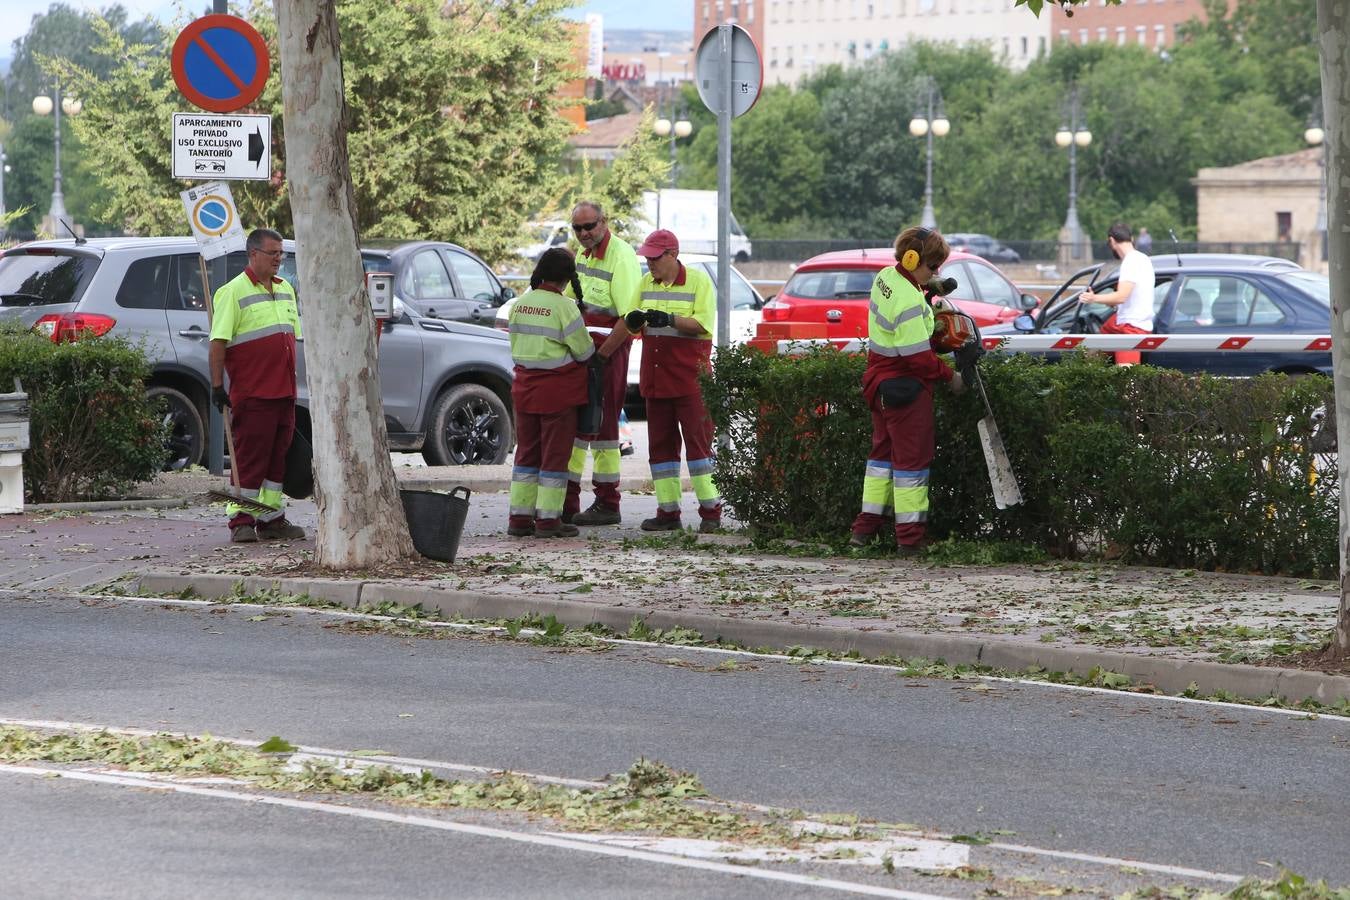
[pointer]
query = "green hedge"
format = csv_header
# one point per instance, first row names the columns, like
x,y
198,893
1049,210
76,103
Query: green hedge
x,y
93,433
1162,467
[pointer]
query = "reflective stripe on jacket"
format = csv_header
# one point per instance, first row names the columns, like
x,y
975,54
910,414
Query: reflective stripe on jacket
x,y
899,326
609,283
672,360
259,329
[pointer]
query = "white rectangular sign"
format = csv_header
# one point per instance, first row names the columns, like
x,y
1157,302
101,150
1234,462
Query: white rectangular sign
x,y
214,219
595,45
215,147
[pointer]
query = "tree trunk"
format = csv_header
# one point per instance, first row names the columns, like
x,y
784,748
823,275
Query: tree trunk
x,y
361,522
1333,26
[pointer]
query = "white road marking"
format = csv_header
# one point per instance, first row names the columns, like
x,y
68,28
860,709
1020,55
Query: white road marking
x,y
914,853
725,652
545,840
339,756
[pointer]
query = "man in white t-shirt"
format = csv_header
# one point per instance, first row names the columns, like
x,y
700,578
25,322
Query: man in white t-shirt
x,y
1133,296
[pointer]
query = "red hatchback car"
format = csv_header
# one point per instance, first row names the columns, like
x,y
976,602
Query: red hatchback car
x,y
834,288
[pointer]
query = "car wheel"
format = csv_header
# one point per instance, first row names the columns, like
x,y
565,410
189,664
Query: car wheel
x,y
742,257
186,432
469,426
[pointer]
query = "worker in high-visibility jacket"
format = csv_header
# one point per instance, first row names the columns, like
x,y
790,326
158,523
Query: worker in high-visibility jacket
x,y
676,312
609,273
902,370
552,350
255,321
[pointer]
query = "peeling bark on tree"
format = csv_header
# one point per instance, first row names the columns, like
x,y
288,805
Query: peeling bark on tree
x,y
361,522
1333,26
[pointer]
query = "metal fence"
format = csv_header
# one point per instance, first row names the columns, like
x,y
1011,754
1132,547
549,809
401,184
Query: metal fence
x,y
1025,251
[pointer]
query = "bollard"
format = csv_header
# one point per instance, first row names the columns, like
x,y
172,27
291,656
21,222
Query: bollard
x,y
13,441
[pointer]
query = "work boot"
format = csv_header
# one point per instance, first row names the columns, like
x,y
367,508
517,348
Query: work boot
x,y
709,526
280,530
520,530
243,534
597,515
561,529
916,549
657,523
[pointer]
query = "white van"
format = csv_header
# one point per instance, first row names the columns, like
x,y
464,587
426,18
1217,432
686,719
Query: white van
x,y
692,215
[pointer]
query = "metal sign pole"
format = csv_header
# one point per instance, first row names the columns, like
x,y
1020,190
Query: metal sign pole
x,y
724,189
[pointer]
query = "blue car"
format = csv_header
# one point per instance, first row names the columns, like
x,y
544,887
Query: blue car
x,y
1204,294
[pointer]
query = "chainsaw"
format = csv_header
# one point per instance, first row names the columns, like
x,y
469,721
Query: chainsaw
x,y
955,332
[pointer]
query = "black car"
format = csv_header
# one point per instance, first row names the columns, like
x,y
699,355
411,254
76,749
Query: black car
x,y
1204,294
983,245
439,280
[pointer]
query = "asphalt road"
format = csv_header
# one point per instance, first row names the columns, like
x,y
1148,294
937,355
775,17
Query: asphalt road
x,y
1203,786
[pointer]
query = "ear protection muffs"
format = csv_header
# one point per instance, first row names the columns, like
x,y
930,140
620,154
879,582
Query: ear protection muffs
x,y
910,259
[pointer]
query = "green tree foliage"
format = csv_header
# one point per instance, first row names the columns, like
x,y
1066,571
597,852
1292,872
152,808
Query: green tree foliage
x,y
453,123
846,165
69,33
779,170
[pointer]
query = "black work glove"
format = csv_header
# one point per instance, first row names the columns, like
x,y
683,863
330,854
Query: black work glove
x,y
967,355
597,361
221,398
658,319
635,320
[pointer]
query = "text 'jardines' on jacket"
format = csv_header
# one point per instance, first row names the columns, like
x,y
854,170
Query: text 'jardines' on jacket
x,y
259,328
899,326
609,276
549,344
672,360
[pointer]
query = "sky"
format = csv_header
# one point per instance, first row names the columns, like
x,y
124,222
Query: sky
x,y
660,15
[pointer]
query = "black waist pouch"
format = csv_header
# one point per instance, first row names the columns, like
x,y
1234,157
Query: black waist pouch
x,y
591,416
898,392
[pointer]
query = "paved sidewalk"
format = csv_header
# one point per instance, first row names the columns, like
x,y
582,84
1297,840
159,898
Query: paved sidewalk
x,y
1167,628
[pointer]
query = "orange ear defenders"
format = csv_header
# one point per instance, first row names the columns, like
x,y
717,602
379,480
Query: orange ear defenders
x,y
910,259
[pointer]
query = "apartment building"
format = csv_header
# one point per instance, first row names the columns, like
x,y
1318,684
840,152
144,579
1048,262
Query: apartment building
x,y
749,14
1152,23
801,36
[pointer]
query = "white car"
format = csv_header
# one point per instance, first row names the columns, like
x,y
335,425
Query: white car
x,y
745,305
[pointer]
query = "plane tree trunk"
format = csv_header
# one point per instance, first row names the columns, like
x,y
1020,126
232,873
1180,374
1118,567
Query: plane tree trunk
x,y
361,522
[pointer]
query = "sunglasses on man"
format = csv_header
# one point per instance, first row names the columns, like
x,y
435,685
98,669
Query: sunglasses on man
x,y
584,226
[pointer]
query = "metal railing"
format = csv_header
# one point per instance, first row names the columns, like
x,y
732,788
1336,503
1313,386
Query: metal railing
x,y
1021,251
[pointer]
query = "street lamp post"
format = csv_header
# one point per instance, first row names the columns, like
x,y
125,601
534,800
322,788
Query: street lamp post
x,y
674,128
1073,134
44,105
3,227
932,123
1316,137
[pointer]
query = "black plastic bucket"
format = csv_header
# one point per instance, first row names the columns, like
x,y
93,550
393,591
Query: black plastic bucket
x,y
436,521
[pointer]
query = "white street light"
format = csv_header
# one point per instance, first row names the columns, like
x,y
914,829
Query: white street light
x,y
1315,136
930,124
661,127
44,105
1072,136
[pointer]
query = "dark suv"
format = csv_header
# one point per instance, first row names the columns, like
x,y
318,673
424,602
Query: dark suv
x,y
440,280
446,385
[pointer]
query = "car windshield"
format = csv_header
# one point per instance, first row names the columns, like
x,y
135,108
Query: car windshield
x,y
831,284
42,278
1312,283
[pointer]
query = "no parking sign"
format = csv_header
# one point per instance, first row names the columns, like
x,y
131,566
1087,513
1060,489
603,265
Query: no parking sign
x,y
214,219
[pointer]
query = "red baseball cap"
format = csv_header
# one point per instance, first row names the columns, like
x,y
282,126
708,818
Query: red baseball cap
x,y
658,242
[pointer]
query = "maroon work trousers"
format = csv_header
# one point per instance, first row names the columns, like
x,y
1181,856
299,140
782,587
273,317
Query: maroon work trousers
x,y
672,421
543,445
262,431
905,439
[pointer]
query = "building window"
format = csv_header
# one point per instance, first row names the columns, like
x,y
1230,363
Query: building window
x,y
1140,33
1284,226
1120,35
1159,35
1040,43
1082,35
1006,49
1025,43
1064,34
1101,33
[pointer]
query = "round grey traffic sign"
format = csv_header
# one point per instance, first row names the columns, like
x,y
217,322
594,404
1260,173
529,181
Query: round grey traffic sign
x,y
747,70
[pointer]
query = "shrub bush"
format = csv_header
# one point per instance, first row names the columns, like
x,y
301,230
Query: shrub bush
x,y
1167,468
93,433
